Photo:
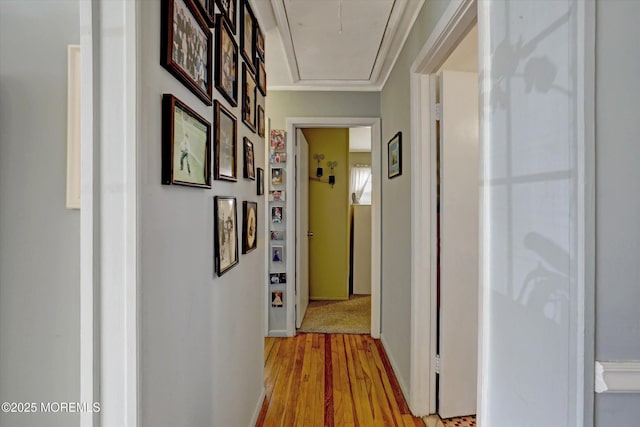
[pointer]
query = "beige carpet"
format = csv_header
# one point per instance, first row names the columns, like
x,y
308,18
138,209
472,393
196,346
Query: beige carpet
x,y
339,317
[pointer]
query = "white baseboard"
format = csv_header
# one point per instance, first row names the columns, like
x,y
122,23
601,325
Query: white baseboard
x,y
621,376
256,412
279,333
394,366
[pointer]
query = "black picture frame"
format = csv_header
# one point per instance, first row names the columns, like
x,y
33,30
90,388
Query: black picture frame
x,y
247,34
260,182
259,42
190,71
206,9
249,163
226,75
261,121
249,226
261,77
249,90
186,145
394,156
228,9
225,233
226,144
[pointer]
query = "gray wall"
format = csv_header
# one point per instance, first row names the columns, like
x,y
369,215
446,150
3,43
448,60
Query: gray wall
x,y
396,223
39,237
618,199
201,335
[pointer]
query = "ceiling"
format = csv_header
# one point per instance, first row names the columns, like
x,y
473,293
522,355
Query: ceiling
x,y
333,44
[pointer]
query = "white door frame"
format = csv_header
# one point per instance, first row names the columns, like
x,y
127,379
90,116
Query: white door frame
x,y
294,123
449,30
109,233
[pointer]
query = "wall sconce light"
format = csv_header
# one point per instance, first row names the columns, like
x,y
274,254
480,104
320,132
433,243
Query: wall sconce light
x,y
318,158
332,177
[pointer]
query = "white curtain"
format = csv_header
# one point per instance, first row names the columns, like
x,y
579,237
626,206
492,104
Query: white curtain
x,y
361,184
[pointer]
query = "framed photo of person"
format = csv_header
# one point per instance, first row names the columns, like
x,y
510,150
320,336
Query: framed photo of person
x,y
262,78
249,226
277,176
277,214
247,37
277,196
277,235
394,148
259,42
187,47
261,121
277,299
260,181
277,254
249,163
226,233
226,143
206,9
277,140
186,145
249,99
226,76
228,9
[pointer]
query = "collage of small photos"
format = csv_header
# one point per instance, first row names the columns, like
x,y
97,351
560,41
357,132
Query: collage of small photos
x,y
204,42
277,199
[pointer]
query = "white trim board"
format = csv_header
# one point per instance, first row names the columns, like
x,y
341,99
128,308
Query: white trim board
x,y
394,366
617,376
293,123
256,412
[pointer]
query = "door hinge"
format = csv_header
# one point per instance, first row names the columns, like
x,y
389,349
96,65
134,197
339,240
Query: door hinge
x,y
437,363
438,111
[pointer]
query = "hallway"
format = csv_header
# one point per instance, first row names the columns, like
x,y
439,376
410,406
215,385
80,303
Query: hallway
x,y
331,380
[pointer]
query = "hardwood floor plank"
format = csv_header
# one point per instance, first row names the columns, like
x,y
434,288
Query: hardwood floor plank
x,y
331,380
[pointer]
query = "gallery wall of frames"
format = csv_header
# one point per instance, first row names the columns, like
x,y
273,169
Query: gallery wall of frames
x,y
216,50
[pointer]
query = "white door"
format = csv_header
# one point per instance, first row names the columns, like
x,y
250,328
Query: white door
x,y
459,185
302,227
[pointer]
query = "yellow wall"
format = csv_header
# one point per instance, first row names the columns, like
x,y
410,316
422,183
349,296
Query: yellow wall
x,y
328,216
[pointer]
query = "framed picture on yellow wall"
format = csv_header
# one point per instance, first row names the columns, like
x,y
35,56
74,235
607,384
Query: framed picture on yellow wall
x,y
395,155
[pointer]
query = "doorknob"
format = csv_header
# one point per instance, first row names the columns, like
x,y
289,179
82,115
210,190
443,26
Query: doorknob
x,y
309,233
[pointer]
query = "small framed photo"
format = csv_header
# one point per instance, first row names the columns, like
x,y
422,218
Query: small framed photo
x,y
260,181
262,78
259,42
277,235
226,61
277,176
283,277
226,233
274,278
207,10
186,145
249,99
247,37
277,299
187,48
277,254
261,122
228,9
225,143
277,214
249,164
277,141
277,157
395,155
277,196
249,226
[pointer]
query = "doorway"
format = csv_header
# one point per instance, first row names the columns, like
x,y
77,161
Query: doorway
x,y
434,353
297,287
333,197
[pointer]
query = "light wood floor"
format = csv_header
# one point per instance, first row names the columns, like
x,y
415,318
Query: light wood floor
x,y
331,380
